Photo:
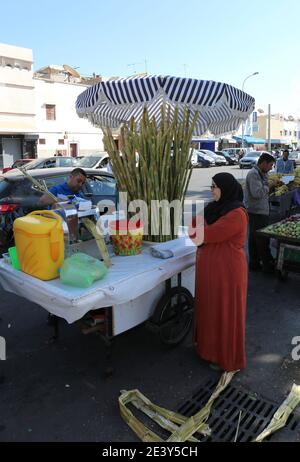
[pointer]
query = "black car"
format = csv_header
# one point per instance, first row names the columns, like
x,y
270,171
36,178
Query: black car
x,y
18,195
230,159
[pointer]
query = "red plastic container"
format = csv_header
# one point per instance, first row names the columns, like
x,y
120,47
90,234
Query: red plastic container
x,y
126,236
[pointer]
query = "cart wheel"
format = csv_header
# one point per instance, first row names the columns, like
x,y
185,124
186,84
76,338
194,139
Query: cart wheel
x,y
173,315
282,275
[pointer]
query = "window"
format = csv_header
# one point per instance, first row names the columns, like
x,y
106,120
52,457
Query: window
x,y
61,141
290,133
285,132
295,134
42,141
55,180
280,132
49,163
101,186
50,112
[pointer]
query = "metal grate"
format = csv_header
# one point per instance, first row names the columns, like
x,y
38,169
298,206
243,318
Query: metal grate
x,y
225,413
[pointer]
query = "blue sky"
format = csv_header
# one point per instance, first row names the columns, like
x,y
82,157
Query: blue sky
x,y
207,39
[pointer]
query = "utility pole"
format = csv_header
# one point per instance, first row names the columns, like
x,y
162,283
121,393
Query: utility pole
x,y
243,124
269,127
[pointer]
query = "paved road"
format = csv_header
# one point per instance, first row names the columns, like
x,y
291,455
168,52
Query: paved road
x,y
57,392
200,182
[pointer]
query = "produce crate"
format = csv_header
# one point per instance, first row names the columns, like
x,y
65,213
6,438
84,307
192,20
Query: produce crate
x,y
292,255
281,205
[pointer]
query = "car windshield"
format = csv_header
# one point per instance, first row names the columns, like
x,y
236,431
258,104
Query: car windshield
x,y
33,164
88,162
67,161
20,162
294,155
253,154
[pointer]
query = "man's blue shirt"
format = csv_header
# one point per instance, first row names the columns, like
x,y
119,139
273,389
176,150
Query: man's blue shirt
x,y
284,166
64,190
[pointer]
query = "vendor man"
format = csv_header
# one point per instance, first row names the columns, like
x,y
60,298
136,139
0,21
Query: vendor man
x,y
285,165
72,187
257,203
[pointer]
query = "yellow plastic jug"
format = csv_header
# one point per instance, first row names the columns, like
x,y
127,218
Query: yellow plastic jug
x,y
39,240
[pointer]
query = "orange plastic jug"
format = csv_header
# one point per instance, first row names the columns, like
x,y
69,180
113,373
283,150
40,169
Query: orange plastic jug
x,y
39,240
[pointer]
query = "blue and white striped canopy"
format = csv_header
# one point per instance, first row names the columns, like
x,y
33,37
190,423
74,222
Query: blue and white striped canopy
x,y
221,107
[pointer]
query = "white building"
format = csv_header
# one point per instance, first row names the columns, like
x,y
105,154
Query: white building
x,y
59,128
17,103
37,110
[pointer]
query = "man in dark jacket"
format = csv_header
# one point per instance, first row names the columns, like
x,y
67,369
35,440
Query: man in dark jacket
x,y
257,204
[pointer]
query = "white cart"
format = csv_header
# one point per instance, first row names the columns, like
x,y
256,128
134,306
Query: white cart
x,y
136,289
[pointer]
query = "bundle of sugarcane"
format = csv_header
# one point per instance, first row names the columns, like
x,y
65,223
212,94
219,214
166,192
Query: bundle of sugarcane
x,y
282,414
181,428
95,231
154,165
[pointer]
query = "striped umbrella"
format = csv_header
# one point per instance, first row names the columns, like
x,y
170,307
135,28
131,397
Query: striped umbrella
x,y
221,107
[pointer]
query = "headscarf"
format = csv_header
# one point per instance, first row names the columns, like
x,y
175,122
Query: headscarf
x,y
231,198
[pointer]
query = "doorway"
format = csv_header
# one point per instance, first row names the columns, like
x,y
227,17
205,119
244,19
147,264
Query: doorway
x,y
73,149
11,150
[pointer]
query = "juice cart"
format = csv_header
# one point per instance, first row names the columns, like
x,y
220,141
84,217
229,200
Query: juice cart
x,y
137,289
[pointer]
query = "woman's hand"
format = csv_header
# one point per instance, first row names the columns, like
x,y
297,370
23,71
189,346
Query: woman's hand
x,y
196,230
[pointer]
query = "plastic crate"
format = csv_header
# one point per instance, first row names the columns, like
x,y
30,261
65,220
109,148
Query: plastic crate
x,y
292,255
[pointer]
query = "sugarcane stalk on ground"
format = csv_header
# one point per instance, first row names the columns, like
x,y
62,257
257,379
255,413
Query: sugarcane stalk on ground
x,y
181,428
282,414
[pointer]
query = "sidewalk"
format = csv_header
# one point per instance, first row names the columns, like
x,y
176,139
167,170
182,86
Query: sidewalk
x,y
56,392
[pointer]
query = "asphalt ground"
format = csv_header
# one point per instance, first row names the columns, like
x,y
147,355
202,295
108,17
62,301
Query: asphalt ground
x,y
56,392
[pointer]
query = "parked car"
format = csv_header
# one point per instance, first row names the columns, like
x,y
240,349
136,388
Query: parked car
x,y
251,158
52,162
231,160
94,161
16,164
295,156
237,153
205,157
18,196
219,160
199,161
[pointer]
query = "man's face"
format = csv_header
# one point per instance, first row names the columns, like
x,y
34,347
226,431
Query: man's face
x,y
285,155
266,166
75,182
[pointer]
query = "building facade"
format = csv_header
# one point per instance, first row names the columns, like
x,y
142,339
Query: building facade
x,y
17,103
37,110
284,131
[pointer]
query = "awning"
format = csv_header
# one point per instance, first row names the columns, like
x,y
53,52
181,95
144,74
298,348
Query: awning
x,y
274,141
250,140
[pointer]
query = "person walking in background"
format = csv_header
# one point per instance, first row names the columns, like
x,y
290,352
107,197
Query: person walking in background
x,y
285,165
257,203
221,277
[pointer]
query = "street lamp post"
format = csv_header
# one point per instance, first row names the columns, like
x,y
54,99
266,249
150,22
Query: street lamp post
x,y
243,125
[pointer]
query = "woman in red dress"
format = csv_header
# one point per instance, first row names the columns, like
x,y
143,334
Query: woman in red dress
x,y
221,277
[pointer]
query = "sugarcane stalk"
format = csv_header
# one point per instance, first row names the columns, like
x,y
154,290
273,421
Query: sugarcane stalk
x,y
159,175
